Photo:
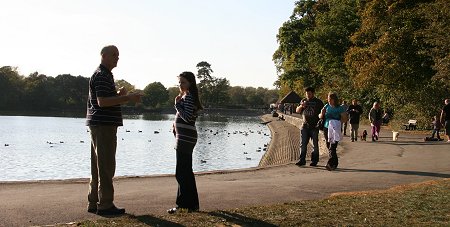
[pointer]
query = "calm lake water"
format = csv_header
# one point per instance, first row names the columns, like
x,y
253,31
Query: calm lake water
x,y
48,148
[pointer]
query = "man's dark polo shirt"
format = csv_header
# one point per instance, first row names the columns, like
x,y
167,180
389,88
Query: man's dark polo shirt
x,y
102,84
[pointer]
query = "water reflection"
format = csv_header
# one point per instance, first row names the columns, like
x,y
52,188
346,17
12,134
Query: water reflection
x,y
155,117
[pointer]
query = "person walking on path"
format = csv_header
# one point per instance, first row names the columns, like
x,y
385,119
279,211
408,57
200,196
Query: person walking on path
x,y
344,124
436,128
103,117
334,114
375,117
354,111
445,118
187,105
310,108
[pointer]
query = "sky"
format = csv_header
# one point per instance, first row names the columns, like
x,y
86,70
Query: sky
x,y
157,39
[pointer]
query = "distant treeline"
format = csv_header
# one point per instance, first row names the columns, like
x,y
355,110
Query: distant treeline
x,y
40,93
396,52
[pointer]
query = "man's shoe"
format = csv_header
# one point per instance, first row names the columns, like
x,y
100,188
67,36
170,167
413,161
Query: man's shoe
x,y
301,163
328,167
111,211
313,164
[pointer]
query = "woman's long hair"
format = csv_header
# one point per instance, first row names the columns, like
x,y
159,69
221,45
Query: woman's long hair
x,y
335,97
189,76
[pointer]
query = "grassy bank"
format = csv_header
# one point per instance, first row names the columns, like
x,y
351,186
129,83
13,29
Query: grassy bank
x,y
424,204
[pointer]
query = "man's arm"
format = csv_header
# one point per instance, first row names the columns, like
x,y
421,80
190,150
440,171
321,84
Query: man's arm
x,y
442,117
118,100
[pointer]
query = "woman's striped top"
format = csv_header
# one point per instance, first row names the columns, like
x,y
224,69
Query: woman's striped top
x,y
185,120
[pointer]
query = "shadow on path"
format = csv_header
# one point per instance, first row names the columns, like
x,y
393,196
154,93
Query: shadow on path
x,y
154,221
405,143
403,172
239,219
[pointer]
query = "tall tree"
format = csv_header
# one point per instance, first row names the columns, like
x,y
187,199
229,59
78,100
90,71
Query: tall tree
x,y
205,81
155,95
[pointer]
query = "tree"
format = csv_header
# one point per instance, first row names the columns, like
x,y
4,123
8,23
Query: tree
x,y
391,55
11,85
237,95
173,92
125,84
205,81
219,91
70,91
291,57
155,95
37,92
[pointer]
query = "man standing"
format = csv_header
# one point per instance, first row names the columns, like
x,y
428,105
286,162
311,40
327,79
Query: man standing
x,y
310,108
103,117
354,111
445,118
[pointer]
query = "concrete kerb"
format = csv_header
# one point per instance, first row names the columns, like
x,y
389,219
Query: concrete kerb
x,y
284,148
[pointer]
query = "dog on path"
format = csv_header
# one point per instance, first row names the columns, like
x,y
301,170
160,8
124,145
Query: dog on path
x,y
364,136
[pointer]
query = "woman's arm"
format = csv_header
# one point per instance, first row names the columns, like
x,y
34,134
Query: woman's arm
x,y
186,112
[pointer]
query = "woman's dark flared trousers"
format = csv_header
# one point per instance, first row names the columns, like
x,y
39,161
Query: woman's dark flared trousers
x,y
332,150
187,196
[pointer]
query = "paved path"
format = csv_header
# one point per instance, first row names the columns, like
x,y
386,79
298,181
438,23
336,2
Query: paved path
x,y
363,166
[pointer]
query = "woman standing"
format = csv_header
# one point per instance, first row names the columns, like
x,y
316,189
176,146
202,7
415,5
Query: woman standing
x,y
375,117
334,114
187,104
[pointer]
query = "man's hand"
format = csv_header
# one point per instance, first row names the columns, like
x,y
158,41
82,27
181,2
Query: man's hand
x,y
122,91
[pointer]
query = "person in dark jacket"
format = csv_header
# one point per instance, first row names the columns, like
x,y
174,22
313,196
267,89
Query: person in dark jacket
x,y
354,112
310,108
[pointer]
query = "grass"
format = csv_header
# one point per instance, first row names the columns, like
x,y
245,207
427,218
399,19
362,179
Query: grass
x,y
423,204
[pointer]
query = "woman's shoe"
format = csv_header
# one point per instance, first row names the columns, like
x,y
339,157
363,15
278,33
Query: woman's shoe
x,y
181,210
172,210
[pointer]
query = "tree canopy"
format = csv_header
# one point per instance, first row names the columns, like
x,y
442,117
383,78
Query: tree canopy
x,y
38,92
396,52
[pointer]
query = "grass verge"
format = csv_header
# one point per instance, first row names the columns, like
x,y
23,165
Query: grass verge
x,y
422,204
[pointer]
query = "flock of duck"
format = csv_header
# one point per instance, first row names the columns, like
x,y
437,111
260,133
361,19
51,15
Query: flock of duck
x,y
214,133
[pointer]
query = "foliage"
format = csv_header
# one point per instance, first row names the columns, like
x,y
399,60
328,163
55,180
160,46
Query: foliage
x,y
396,52
155,95
38,92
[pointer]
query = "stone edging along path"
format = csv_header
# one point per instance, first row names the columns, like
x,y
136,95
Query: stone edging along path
x,y
284,148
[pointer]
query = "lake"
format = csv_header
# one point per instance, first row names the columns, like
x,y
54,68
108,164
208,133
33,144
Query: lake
x,y
51,148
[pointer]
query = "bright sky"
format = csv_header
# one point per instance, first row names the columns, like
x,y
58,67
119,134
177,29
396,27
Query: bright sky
x,y
157,39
